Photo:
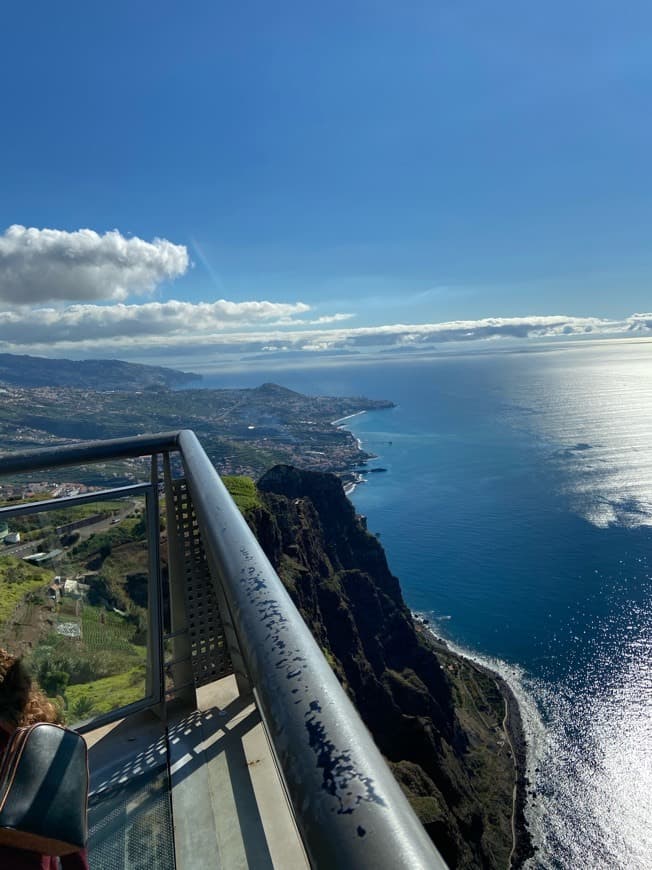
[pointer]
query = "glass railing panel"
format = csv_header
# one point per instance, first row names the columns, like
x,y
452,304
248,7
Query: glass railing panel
x,y
75,589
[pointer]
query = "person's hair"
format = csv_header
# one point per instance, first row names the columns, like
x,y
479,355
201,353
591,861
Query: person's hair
x,y
20,702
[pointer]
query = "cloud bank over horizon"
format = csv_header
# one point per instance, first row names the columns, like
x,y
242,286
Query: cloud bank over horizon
x,y
48,265
236,328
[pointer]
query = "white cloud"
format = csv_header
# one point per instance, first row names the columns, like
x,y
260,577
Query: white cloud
x,y
639,322
45,265
151,322
332,318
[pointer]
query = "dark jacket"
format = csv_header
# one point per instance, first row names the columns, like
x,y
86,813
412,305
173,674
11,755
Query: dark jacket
x,y
21,859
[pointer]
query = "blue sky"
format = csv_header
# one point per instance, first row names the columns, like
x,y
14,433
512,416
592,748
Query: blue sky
x,y
383,164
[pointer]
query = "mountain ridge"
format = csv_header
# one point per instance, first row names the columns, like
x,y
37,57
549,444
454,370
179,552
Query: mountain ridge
x,y
102,375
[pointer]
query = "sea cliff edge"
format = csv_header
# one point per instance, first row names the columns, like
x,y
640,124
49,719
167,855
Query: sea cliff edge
x,y
449,729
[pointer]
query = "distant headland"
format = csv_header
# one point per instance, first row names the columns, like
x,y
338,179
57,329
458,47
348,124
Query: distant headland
x,y
93,374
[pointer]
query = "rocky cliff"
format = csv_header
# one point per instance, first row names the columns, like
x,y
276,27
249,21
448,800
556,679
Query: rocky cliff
x,y
441,722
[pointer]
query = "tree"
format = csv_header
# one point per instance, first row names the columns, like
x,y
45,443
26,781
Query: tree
x,y
51,678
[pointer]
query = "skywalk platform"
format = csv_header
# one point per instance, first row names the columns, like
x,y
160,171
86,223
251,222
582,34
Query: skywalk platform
x,y
202,791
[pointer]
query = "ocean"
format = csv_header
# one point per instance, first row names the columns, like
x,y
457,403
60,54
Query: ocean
x,y
516,509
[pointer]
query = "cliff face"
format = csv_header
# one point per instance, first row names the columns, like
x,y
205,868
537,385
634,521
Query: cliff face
x,y
437,718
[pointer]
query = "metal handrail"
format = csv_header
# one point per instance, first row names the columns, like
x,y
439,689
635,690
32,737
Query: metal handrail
x,y
83,452
55,504
350,811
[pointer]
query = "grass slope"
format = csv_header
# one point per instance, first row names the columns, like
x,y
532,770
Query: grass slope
x,y
17,578
243,492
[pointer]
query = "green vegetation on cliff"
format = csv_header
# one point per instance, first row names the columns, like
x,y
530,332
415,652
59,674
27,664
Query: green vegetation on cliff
x,y
243,492
17,579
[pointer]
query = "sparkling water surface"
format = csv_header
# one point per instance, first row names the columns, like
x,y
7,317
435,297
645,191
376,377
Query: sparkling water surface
x,y
516,510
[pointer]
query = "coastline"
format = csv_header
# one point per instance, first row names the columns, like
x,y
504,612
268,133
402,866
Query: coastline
x,y
353,478
522,846
350,485
512,722
344,419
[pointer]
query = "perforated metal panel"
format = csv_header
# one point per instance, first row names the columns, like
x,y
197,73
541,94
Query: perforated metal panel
x,y
209,652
